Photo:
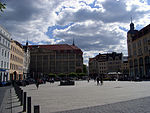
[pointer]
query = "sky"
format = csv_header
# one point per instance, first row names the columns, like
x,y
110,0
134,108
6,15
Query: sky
x,y
97,26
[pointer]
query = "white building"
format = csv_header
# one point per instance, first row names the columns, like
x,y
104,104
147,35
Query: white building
x,y
4,54
26,62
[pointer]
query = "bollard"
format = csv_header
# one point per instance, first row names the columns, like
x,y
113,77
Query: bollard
x,y
19,93
36,109
24,101
11,100
21,98
29,105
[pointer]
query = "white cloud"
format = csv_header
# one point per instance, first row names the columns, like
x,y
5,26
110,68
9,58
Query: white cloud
x,y
95,25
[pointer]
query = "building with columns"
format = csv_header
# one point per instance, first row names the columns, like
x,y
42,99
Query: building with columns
x,y
139,52
59,58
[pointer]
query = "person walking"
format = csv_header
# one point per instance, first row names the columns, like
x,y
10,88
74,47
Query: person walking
x,y
88,79
101,79
37,84
97,80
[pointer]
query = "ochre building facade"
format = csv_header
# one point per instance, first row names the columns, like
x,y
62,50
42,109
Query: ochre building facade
x,y
139,52
16,61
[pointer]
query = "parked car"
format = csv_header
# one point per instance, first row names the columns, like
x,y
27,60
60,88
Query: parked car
x,y
6,83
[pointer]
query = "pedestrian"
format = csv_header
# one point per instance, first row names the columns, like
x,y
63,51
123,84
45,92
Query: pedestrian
x,y
88,79
101,80
37,84
97,80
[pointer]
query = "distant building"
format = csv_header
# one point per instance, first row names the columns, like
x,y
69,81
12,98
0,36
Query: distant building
x,y
105,63
93,67
114,61
26,61
16,61
139,52
4,54
125,67
60,58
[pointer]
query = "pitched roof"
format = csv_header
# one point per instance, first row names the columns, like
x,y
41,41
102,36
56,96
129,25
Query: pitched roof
x,y
60,47
142,32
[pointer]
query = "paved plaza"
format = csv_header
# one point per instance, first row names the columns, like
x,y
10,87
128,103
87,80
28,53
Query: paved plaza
x,y
84,97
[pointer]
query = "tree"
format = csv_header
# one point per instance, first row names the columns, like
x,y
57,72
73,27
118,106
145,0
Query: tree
x,y
2,6
62,75
52,75
72,74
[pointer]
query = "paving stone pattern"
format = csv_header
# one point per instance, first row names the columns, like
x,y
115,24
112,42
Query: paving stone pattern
x,y
141,105
87,97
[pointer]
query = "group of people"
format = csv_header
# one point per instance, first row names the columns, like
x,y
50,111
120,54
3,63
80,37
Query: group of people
x,y
99,80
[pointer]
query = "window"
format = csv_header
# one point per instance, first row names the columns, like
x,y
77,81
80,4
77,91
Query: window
x,y
2,52
10,66
1,64
5,53
6,42
3,41
11,56
4,64
8,55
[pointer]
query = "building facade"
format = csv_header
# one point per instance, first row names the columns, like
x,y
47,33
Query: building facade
x,y
105,63
4,54
16,61
139,52
61,58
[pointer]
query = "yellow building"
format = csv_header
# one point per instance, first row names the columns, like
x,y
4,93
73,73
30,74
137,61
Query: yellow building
x,y
103,64
16,61
139,52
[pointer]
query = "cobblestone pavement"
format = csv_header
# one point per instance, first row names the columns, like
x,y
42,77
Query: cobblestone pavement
x,y
133,106
85,97
2,93
10,103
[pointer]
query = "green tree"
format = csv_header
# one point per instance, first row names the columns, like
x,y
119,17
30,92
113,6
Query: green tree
x,y
72,74
62,75
80,75
52,75
2,6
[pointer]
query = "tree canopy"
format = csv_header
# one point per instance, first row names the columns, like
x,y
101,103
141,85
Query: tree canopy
x,y
2,6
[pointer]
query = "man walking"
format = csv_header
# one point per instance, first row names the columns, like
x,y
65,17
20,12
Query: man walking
x,y
98,80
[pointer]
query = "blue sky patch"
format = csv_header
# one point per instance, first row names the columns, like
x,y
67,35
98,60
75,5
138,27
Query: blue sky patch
x,y
61,9
52,28
148,2
124,29
139,27
92,5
